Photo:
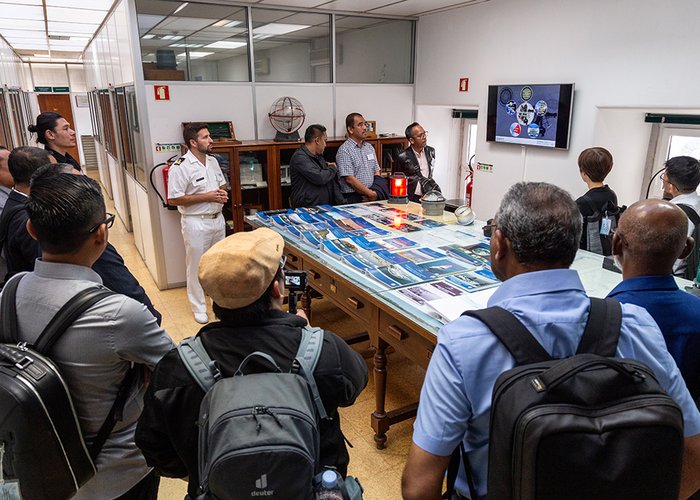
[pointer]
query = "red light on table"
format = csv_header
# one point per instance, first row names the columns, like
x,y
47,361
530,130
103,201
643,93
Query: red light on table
x,y
398,187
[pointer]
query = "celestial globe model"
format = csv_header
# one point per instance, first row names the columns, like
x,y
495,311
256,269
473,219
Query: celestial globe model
x,y
286,116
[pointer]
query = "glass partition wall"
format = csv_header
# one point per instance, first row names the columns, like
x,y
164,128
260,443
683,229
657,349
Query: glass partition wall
x,y
205,42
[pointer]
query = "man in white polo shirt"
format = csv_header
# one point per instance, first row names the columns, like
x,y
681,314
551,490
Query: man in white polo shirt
x,y
197,187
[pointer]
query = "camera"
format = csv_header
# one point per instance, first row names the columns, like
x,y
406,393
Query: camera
x,y
295,281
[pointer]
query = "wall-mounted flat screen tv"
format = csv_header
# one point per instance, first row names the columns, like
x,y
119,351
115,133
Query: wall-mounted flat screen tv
x,y
530,114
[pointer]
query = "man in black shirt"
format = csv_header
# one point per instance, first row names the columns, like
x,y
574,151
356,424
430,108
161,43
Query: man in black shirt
x,y
314,181
244,276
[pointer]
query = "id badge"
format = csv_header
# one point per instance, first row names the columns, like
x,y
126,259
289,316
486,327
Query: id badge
x,y
605,225
9,490
370,156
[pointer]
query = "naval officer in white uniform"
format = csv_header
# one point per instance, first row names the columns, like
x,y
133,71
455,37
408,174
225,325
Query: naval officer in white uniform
x,y
197,187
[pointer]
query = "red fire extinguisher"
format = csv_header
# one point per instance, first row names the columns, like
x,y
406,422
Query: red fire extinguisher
x,y
470,182
166,169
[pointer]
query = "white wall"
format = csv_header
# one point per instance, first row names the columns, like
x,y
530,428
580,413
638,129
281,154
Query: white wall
x,y
391,106
626,58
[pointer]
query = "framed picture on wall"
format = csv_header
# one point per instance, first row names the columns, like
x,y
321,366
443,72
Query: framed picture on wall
x,y
371,129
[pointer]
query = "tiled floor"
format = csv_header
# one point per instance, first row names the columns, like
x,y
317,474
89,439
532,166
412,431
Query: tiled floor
x,y
378,470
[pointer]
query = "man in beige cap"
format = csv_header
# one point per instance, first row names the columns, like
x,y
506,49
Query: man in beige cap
x,y
244,276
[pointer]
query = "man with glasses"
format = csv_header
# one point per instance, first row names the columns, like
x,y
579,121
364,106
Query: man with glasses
x,y
650,237
244,276
314,181
535,237
67,216
680,183
417,161
21,250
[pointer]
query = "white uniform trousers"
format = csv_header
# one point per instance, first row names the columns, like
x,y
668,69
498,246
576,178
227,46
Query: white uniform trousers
x,y
200,234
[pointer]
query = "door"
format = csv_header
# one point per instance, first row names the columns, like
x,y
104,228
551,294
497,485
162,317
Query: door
x,y
60,103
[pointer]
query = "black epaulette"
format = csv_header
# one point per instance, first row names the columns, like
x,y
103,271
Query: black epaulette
x,y
179,160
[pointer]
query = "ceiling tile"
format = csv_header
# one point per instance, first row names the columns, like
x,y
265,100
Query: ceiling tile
x,y
292,3
357,5
185,24
31,44
158,7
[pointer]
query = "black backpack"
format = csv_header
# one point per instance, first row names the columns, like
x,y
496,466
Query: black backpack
x,y
693,260
598,236
586,427
258,433
43,444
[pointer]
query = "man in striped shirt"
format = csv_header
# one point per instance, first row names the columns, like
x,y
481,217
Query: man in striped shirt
x,y
357,162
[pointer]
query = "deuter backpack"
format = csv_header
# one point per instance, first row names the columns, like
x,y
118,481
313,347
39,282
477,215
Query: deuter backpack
x,y
693,260
258,433
585,427
40,433
600,227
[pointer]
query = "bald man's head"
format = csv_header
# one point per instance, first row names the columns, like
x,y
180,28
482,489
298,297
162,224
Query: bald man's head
x,y
651,235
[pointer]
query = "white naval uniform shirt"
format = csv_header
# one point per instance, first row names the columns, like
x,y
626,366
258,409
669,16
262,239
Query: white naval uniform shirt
x,y
188,176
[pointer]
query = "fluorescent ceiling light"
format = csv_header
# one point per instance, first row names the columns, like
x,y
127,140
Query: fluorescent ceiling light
x,y
279,28
148,37
85,28
62,14
233,24
181,7
28,12
172,37
187,45
20,24
24,2
42,55
104,5
197,55
225,45
261,37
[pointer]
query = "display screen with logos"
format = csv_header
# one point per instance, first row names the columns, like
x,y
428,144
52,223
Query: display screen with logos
x,y
530,114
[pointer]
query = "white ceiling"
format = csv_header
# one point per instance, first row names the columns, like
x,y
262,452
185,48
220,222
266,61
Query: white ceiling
x,y
52,31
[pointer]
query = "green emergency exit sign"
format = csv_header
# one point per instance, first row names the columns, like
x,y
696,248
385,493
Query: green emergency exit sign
x,y
51,89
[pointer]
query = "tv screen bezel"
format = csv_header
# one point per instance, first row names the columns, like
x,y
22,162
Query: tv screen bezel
x,y
564,113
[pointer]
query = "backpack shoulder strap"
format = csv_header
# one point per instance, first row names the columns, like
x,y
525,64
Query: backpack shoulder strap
x,y
512,333
306,360
65,316
198,362
602,329
8,311
690,212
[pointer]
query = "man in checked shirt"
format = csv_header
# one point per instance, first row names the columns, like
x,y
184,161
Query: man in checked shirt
x,y
357,162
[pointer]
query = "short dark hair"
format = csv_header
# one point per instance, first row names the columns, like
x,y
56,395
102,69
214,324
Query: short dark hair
x,y
45,121
63,208
596,163
313,131
24,161
350,120
252,313
684,173
409,130
2,147
542,223
191,130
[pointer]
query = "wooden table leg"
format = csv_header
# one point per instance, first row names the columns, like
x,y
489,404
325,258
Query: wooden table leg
x,y
380,423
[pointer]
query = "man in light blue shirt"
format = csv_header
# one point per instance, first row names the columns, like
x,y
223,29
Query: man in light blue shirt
x,y
536,234
357,162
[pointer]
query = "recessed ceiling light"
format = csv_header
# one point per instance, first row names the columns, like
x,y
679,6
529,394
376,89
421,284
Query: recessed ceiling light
x,y
232,24
279,28
172,37
197,55
148,37
225,45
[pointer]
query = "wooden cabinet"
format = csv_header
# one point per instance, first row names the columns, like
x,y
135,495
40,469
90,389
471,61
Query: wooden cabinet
x,y
259,176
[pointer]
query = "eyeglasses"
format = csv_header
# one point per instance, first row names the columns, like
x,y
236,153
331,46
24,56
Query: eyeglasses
x,y
109,221
489,227
664,178
422,135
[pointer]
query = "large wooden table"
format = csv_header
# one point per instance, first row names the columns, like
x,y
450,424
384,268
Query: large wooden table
x,y
393,321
